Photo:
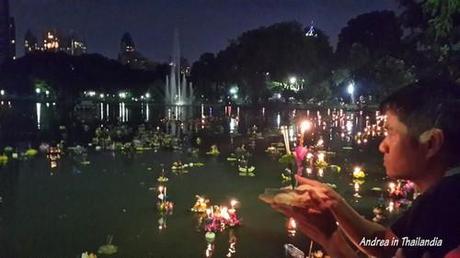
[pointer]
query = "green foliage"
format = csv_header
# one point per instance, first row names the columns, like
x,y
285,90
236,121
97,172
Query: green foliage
x,y
433,36
391,74
441,13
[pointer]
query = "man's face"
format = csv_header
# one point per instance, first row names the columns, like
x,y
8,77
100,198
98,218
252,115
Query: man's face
x,y
403,155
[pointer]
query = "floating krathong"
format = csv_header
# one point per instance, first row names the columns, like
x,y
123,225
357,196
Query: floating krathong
x,y
218,218
214,151
358,173
200,205
162,179
246,171
163,205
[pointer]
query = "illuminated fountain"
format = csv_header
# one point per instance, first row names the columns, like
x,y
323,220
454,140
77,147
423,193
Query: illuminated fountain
x,y
176,92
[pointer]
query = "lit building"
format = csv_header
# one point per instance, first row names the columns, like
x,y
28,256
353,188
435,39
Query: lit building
x,y
72,45
7,33
30,43
127,44
129,56
55,42
78,47
51,42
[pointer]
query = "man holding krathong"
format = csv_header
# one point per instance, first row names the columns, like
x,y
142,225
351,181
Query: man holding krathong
x,y
422,144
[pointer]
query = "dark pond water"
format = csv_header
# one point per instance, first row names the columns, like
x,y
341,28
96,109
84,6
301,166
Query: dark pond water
x,y
64,211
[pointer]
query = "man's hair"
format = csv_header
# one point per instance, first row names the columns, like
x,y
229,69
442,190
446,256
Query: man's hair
x,y
429,104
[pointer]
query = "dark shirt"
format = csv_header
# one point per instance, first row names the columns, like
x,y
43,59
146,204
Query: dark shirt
x,y
435,213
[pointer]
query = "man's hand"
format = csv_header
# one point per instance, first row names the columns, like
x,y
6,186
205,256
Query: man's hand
x,y
322,196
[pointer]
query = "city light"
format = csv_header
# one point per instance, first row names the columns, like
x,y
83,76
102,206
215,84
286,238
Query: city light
x,y
351,91
101,95
351,88
122,95
37,90
292,80
2,92
305,126
147,95
233,90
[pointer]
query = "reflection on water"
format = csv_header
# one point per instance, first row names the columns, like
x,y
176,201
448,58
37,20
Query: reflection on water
x,y
101,110
232,243
278,120
220,124
123,112
39,114
331,124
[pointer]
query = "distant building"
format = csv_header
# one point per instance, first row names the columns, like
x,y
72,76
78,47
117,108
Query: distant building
x,y
129,56
30,43
54,42
51,42
72,45
7,33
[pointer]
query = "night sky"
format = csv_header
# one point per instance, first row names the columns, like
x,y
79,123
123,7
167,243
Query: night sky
x,y
204,25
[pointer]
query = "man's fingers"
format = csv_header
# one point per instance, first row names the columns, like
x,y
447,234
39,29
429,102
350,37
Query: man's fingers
x,y
286,210
303,180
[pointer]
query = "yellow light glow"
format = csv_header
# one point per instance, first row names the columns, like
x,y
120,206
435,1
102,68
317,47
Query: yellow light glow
x,y
305,126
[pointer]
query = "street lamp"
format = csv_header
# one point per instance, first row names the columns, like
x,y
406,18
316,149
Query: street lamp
x,y
147,95
2,92
292,80
351,91
37,90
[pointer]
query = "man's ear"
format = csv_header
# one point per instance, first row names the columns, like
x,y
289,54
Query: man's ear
x,y
433,139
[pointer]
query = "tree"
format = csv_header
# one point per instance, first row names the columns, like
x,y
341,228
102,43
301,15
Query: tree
x,y
203,74
365,44
433,41
272,53
377,32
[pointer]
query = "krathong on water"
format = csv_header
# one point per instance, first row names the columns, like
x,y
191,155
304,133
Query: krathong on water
x,y
3,160
108,248
163,205
214,151
218,218
358,173
200,205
